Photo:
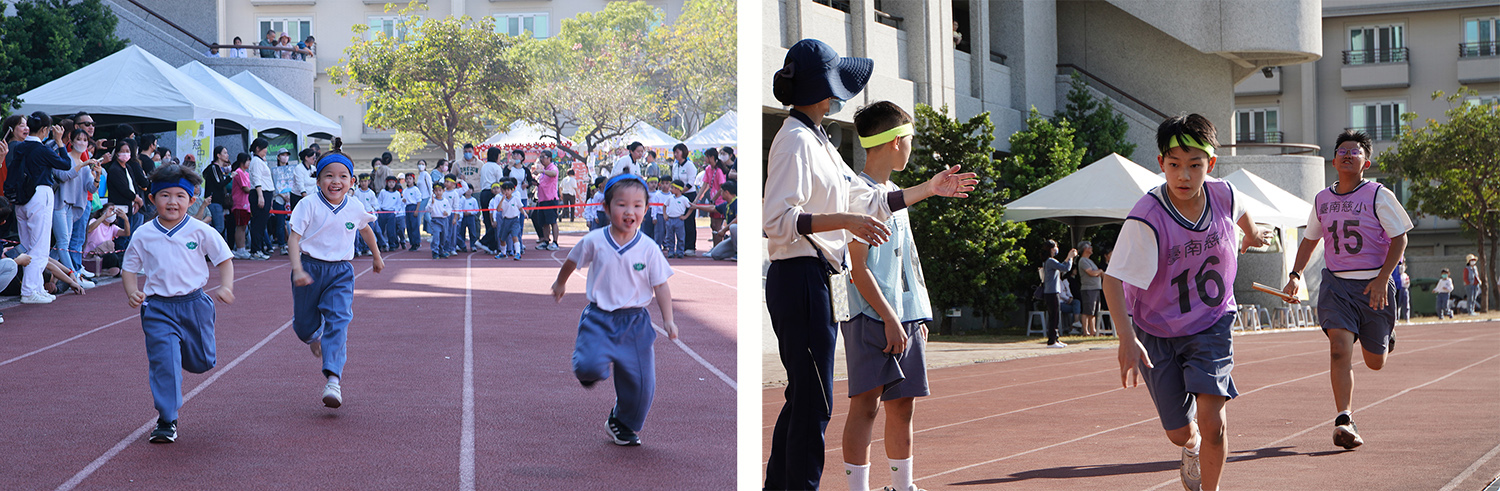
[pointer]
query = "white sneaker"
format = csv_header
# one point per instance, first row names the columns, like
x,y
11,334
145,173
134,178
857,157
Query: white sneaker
x,y
333,395
1192,480
1059,344
86,273
241,255
40,298
86,284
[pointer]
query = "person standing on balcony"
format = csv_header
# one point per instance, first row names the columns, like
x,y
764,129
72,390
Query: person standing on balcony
x,y
238,52
270,40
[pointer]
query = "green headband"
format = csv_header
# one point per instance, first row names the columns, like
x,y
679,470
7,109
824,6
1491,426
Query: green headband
x,y
1188,141
887,136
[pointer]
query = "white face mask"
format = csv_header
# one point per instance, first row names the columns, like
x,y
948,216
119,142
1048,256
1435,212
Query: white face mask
x,y
123,156
109,217
80,146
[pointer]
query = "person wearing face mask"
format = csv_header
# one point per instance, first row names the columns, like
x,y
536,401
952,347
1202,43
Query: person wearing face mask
x,y
424,187
29,188
813,204
71,201
468,168
1473,285
1443,289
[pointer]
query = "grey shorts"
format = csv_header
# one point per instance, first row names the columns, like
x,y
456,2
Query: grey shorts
x,y
903,375
1343,304
1090,300
1187,365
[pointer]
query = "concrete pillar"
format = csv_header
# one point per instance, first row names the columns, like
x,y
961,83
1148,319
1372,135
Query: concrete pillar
x,y
930,53
979,47
1028,33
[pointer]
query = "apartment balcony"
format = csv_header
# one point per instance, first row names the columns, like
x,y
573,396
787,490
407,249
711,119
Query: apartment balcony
x,y
1260,84
1479,62
1381,133
1375,69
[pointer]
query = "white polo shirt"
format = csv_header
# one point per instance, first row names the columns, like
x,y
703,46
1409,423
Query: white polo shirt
x,y
390,200
470,206
328,230
627,165
172,259
658,196
620,276
677,206
367,197
260,175
506,208
411,195
440,208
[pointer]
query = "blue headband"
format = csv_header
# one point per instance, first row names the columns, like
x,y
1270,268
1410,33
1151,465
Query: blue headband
x,y
334,158
158,186
616,180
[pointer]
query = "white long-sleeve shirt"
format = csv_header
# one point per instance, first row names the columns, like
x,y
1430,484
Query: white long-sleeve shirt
x,y
806,175
260,174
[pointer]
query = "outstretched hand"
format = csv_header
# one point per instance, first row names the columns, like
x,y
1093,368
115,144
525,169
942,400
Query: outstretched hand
x,y
1132,356
949,183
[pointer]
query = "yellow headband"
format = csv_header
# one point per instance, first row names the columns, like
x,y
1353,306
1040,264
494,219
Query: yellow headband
x,y
887,136
1188,141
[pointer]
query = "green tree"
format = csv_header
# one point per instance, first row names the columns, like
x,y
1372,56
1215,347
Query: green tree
x,y
969,251
694,65
590,76
433,83
1040,155
1099,129
47,39
1452,170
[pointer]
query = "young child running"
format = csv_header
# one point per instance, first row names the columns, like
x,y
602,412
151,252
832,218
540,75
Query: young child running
x,y
1174,280
884,343
625,270
322,244
175,313
1365,227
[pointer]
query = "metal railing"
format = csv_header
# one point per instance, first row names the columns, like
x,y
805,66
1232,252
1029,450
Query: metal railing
x,y
837,4
1117,90
199,40
888,19
1258,137
1470,50
1379,133
1382,55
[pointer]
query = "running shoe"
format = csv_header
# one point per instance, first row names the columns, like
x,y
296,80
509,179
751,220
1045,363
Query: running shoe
x,y
623,435
1192,479
86,273
37,299
1058,344
165,432
893,488
1347,434
333,395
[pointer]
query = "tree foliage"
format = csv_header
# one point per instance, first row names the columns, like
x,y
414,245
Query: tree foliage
x,y
1040,155
969,250
434,83
591,75
47,39
1452,170
1098,129
693,65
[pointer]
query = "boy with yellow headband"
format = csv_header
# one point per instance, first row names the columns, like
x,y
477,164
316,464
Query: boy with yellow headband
x,y
885,341
676,210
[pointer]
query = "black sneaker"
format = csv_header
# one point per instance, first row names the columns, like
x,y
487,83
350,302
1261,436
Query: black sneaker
x,y
589,384
623,436
1346,434
166,432
1391,348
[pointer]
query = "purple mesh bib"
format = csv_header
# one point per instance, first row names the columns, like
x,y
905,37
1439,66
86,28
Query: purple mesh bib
x,y
1353,239
1194,283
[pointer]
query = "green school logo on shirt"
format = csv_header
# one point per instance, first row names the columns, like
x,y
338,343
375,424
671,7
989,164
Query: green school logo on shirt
x,y
640,266
192,245
349,225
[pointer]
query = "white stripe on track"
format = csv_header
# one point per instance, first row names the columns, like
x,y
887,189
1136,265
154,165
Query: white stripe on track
x,y
143,429
731,287
466,438
100,328
1470,471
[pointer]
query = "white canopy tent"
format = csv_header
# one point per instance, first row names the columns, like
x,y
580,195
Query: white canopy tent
x,y
521,133
1101,193
723,132
313,123
1274,205
265,114
646,134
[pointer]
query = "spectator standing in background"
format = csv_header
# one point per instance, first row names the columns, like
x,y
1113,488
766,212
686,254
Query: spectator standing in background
x,y
1052,271
1090,287
270,40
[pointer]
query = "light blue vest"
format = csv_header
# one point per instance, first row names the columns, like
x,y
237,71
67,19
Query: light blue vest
x,y
898,273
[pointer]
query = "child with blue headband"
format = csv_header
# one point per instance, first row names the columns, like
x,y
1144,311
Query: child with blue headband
x,y
176,315
322,244
626,269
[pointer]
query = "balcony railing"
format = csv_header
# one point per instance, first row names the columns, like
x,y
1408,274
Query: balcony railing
x,y
888,19
837,4
1471,50
1258,137
1367,56
1379,133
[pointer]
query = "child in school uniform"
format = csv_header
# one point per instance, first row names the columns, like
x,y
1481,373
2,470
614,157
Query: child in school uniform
x,y
390,220
659,196
625,271
508,212
176,315
321,235
411,198
594,211
885,342
1174,281
649,226
1443,289
1365,228
676,211
454,193
371,201
469,224
440,208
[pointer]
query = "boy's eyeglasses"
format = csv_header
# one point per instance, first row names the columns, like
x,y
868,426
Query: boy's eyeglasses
x,y
1352,152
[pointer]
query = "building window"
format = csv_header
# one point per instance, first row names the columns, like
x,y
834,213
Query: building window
x,y
391,25
1380,120
1480,37
1257,126
296,28
1376,44
535,23
837,4
1484,100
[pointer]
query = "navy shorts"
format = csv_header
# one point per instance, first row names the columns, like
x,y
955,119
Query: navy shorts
x,y
903,375
1343,304
1187,365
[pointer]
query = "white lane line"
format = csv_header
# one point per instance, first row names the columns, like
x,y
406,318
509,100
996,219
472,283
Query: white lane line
x,y
1470,471
150,424
731,287
685,349
466,440
100,328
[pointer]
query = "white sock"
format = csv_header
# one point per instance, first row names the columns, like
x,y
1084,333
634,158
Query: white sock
x,y
333,379
1196,447
859,476
901,473
1346,413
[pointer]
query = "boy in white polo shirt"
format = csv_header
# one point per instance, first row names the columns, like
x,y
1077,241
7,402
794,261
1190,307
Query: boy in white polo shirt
x,y
321,242
176,315
507,208
440,207
676,208
371,201
625,270
659,196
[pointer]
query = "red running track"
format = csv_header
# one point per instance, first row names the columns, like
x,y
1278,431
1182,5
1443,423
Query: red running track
x,y
76,405
1429,420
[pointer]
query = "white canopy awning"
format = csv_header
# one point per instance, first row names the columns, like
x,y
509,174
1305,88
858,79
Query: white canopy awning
x,y
521,133
1100,193
313,123
132,82
1276,206
265,114
723,132
646,134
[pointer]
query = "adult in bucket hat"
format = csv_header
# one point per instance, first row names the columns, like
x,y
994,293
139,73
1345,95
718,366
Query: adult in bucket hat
x,y
814,204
